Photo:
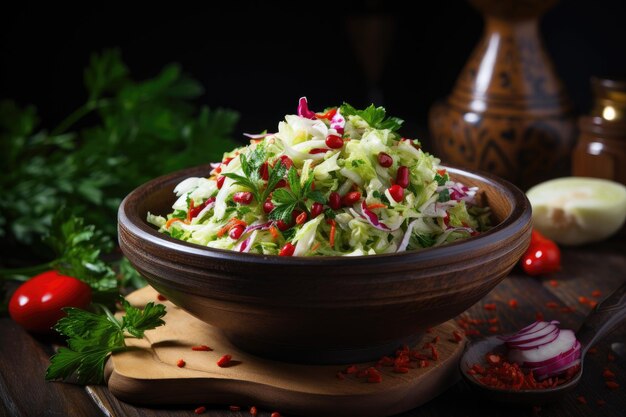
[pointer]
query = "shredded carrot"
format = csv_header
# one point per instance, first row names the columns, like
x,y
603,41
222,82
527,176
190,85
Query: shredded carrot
x,y
274,232
333,230
315,247
375,206
171,221
231,223
191,206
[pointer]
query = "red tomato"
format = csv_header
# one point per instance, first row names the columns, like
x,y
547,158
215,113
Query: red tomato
x,y
542,256
36,304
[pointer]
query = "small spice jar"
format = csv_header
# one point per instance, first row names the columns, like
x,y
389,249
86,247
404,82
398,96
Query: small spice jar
x,y
601,148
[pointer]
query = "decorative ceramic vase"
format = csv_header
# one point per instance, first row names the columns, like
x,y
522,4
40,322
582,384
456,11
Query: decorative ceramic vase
x,y
508,113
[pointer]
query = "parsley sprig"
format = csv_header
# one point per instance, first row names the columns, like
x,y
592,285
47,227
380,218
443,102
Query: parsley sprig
x,y
251,178
374,116
92,337
287,200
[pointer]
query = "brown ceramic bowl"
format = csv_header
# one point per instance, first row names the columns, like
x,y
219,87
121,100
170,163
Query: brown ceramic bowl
x,y
324,309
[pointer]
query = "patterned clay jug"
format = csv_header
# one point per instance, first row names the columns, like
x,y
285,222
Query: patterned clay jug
x,y
508,113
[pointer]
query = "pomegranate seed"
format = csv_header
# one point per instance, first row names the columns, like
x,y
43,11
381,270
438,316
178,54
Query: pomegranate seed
x,y
351,198
268,206
236,232
490,307
224,361
316,209
611,385
253,411
596,294
201,348
287,250
334,142
318,150
286,161
161,297
384,160
513,303
226,161
243,197
334,200
301,219
181,363
200,410
220,182
234,408
402,177
282,225
397,192
264,171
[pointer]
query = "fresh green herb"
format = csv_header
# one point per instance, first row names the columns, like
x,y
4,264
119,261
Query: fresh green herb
x,y
425,241
136,130
357,162
382,197
330,213
444,195
442,179
289,234
92,337
286,201
374,116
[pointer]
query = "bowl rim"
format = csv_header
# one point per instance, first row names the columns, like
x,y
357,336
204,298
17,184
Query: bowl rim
x,y
519,216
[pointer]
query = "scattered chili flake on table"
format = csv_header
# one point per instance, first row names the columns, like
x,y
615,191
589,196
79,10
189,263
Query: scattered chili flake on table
x,y
490,307
352,369
581,399
567,309
458,337
513,303
608,374
181,363
539,316
224,361
600,403
611,384
200,410
592,350
275,414
253,411
596,294
340,376
552,304
234,408
434,353
583,300
554,283
161,297
493,320
610,357
202,348
593,303
493,329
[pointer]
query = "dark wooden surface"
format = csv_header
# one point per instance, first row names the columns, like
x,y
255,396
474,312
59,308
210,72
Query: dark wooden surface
x,y
23,359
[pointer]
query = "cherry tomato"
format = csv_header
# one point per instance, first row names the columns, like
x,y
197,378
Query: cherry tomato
x,y
36,304
542,256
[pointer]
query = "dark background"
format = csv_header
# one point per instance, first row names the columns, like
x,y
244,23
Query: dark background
x,y
258,58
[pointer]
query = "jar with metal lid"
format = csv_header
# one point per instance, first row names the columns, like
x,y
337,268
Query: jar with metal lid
x,y
601,148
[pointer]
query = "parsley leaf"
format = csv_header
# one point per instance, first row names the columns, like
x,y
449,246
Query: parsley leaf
x,y
92,337
444,195
374,116
286,201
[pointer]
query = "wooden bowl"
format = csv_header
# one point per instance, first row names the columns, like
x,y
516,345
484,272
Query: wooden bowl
x,y
324,309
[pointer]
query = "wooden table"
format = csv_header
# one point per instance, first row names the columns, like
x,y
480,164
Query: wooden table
x,y
23,358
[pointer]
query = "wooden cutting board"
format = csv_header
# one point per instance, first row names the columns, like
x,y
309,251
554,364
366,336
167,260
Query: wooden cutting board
x,y
148,374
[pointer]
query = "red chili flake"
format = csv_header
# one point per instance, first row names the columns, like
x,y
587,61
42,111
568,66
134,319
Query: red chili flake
x,y
458,337
567,309
472,332
610,357
539,316
552,304
475,322
352,369
436,338
554,283
234,408
253,411
513,303
581,399
593,303
224,361
362,374
418,356
493,329
608,374
493,320
424,363
490,307
340,376
400,369
596,293
385,361
592,350
275,414
376,379
433,353
427,345
200,410
611,384
600,403
181,363
203,348
161,297
583,300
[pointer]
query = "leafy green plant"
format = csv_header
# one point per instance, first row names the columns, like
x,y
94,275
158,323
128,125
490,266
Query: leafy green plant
x,y
128,132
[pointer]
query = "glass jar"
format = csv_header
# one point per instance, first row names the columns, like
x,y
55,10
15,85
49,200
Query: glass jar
x,y
601,148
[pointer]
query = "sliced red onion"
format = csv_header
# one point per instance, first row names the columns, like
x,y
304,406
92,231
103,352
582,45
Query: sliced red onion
x,y
407,236
338,122
303,109
552,359
564,342
372,218
261,226
258,135
245,246
540,330
559,365
538,341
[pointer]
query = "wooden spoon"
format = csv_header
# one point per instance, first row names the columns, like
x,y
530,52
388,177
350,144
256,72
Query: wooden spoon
x,y
606,316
